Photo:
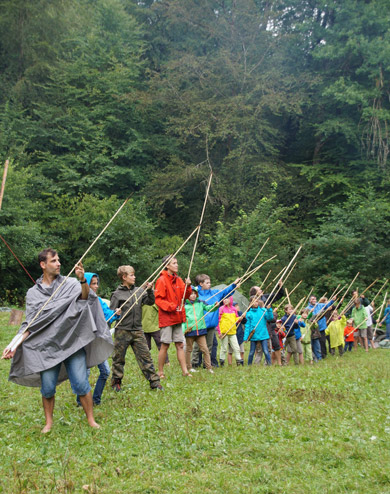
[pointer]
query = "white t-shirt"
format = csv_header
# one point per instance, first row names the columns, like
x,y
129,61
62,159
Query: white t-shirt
x,y
369,311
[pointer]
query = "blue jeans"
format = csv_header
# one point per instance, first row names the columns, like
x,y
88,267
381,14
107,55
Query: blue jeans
x,y
348,346
388,331
316,346
76,367
104,372
264,345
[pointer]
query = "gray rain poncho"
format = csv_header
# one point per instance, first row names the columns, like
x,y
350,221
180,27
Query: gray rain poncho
x,y
66,325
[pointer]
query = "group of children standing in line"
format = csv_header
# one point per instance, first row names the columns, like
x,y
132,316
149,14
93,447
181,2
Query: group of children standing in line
x,y
192,317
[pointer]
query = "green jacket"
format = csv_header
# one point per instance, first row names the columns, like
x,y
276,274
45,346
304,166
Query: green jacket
x,y
359,315
194,313
150,318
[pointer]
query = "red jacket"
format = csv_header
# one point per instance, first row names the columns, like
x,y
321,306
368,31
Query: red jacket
x,y
348,333
168,296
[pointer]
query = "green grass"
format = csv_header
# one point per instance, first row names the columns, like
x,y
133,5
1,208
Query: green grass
x,y
312,429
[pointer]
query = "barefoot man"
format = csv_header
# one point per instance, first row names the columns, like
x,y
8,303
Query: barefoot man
x,y
68,336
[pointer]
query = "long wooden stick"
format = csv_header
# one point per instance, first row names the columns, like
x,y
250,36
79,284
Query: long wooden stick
x,y
155,274
276,277
265,279
346,291
379,321
382,287
290,293
197,235
20,339
242,279
255,258
3,181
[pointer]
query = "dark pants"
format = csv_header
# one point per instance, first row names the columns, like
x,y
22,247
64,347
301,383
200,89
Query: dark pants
x,y
214,350
156,337
137,341
348,346
330,349
324,353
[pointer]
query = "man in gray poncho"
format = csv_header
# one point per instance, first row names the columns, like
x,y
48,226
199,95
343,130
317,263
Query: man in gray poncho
x,y
69,335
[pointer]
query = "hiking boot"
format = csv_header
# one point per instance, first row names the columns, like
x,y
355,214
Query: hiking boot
x,y
239,362
221,363
116,385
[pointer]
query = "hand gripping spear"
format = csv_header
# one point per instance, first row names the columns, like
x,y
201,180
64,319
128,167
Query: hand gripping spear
x,y
20,338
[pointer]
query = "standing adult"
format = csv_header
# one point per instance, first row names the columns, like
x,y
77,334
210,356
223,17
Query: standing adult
x,y
68,336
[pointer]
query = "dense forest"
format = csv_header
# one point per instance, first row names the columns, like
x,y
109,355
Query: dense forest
x,y
287,100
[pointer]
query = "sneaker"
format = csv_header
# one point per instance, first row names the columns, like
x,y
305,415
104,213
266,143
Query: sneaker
x,y
116,385
211,371
193,370
158,388
221,363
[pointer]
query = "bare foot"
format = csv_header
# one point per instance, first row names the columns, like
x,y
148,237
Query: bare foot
x,y
187,375
161,375
47,428
93,424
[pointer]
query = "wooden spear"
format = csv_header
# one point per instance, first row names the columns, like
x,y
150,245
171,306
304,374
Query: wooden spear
x,y
255,258
3,181
19,340
242,279
379,321
292,291
197,235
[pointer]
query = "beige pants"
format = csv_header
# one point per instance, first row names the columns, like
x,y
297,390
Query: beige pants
x,y
201,341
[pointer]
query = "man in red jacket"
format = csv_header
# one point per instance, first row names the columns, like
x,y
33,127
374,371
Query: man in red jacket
x,y
168,294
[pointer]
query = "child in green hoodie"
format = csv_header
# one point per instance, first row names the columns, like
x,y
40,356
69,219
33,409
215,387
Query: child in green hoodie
x,y
195,329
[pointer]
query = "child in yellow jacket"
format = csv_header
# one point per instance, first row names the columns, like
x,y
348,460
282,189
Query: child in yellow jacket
x,y
335,330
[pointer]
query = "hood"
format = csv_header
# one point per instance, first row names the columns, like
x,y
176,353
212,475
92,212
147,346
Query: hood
x,y
228,308
89,276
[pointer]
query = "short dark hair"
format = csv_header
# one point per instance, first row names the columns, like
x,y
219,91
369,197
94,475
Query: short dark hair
x,y
201,278
165,259
42,256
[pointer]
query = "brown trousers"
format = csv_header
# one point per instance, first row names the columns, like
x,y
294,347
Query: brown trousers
x,y
202,343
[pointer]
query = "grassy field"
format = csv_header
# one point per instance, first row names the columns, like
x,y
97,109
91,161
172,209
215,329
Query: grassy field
x,y
311,429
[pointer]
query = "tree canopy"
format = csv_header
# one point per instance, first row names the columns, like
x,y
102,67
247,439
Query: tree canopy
x,y
288,101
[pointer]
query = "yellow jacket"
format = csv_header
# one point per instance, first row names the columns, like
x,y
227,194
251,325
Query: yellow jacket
x,y
228,322
336,332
